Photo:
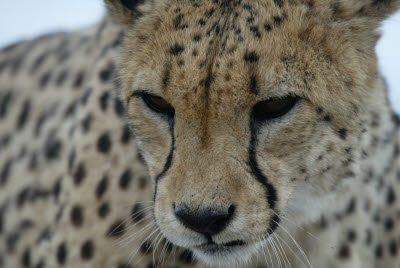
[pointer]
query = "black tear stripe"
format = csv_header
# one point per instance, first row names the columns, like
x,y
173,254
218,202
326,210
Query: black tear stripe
x,y
169,158
270,191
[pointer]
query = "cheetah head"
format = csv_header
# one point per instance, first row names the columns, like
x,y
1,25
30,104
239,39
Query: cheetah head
x,y
246,111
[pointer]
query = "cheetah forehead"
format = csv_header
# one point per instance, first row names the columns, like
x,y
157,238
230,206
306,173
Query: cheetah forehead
x,y
202,50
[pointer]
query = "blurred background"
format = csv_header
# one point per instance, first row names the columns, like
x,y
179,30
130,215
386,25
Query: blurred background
x,y
23,19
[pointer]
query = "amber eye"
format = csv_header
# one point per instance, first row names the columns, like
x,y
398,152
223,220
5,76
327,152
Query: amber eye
x,y
158,104
273,108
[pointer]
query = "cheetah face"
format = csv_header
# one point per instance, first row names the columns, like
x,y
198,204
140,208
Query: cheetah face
x,y
245,112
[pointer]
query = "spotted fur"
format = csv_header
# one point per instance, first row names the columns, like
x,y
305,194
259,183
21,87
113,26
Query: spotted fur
x,y
90,176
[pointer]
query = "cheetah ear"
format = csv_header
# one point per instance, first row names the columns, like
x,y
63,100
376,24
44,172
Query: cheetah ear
x,y
375,10
127,11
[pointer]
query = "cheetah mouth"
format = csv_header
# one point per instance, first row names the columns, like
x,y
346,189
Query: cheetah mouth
x,y
212,248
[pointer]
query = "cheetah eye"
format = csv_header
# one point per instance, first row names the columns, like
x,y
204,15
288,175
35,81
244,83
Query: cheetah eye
x,y
158,104
273,108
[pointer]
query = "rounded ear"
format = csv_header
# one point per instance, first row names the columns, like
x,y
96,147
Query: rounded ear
x,y
127,11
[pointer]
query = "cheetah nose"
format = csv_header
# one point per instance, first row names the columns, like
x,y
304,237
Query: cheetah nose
x,y
209,221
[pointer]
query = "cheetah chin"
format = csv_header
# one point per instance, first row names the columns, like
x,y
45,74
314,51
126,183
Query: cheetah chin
x,y
226,255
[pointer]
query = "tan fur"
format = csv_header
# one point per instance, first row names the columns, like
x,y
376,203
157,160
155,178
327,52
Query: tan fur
x,y
333,159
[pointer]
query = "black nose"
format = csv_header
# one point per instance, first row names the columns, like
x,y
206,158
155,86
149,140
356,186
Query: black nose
x,y
208,222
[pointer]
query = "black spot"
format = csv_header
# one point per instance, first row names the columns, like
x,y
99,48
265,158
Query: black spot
x,y
103,210
342,133
117,229
391,196
178,22
11,242
61,78
126,134
26,258
202,22
107,73
393,247
44,80
166,75
125,179
62,253
33,162
250,20
251,57
71,160
23,116
5,101
379,251
255,31
5,171
70,110
104,143
197,38
344,252
38,62
351,207
253,85
77,216
86,123
57,188
279,3
59,213
87,250
137,213
52,149
119,107
389,224
278,20
102,187
79,79
351,236
210,12
79,174
104,100
85,96
23,196
176,49
327,118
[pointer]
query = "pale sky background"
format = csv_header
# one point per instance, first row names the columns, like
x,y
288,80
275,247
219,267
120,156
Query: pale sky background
x,y
22,19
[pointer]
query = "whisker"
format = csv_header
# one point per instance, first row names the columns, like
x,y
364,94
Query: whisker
x,y
264,244
120,241
282,217
276,253
267,246
132,255
295,242
127,240
153,243
158,243
127,219
283,251
291,250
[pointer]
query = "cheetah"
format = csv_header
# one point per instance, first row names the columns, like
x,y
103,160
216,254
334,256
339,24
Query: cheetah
x,y
202,133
